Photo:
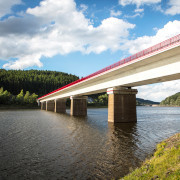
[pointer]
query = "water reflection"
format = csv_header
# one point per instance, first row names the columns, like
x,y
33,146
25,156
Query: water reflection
x,y
44,145
122,139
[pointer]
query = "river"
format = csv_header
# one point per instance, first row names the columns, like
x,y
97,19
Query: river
x,y
36,144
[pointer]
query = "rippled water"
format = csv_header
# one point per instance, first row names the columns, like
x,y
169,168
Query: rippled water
x,y
37,144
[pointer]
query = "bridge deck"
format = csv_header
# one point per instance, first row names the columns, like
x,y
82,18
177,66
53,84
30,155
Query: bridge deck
x,y
147,56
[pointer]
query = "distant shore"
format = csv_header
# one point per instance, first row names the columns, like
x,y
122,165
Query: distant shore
x,y
12,106
167,106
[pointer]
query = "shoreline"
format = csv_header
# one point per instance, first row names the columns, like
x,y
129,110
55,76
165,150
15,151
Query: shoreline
x,y
14,106
163,164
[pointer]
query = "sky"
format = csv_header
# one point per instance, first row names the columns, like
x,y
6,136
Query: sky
x,y
83,36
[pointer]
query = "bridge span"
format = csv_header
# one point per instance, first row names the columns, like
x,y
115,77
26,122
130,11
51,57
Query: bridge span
x,y
158,63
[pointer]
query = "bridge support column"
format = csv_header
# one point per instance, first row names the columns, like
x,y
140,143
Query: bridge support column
x,y
60,105
50,105
121,105
43,105
79,106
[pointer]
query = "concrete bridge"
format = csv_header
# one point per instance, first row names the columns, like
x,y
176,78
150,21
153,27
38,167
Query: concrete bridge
x,y
158,63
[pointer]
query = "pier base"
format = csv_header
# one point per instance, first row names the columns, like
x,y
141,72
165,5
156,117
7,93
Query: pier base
x,y
60,105
43,105
121,105
79,106
50,105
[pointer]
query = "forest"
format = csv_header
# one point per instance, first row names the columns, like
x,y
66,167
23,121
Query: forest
x,y
34,81
25,86
6,98
173,100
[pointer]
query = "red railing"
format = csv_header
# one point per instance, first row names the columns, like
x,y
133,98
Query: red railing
x,y
145,52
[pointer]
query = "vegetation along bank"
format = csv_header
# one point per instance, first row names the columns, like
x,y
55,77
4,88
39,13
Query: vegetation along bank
x,y
165,163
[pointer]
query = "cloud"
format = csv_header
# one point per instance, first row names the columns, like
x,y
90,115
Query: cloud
x,y
174,7
115,13
139,10
83,7
138,3
169,30
40,32
158,92
5,6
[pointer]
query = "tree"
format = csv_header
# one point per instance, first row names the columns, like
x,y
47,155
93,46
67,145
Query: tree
x,y
103,99
20,98
178,101
5,96
32,98
27,97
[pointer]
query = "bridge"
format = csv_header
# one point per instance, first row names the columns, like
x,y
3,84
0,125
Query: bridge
x,y
155,64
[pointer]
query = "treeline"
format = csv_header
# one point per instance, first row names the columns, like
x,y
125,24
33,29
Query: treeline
x,y
173,100
98,100
6,98
34,81
102,100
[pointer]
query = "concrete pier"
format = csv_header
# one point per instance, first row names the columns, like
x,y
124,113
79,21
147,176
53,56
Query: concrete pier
x,y
50,105
60,105
43,105
121,105
78,106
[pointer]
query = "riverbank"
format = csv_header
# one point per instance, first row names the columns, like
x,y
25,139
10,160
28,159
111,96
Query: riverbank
x,y
165,163
15,106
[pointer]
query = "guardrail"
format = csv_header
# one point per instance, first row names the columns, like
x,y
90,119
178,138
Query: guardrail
x,y
145,52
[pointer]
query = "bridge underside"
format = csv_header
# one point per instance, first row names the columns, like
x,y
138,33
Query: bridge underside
x,y
159,66
121,105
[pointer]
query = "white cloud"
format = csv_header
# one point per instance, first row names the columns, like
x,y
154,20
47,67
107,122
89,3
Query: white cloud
x,y
115,13
139,10
169,30
6,5
56,27
138,3
83,7
158,92
174,7
133,16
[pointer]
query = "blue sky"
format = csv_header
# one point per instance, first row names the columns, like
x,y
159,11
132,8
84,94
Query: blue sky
x,y
83,36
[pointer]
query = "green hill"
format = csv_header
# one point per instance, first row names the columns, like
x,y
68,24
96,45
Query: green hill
x,y
143,102
173,100
34,81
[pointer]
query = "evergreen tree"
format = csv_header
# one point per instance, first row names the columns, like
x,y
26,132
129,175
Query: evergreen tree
x,y
34,81
32,98
27,97
20,98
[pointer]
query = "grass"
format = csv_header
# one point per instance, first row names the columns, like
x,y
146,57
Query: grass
x,y
165,163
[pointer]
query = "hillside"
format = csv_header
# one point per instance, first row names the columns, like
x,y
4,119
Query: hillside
x,y
173,100
102,100
143,102
34,81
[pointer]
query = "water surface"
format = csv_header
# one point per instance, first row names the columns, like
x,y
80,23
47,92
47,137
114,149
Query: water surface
x,y
36,144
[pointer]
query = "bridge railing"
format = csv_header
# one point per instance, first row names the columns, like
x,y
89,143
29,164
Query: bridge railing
x,y
145,52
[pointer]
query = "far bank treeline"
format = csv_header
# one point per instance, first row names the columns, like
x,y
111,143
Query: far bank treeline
x,y
6,98
24,87
34,81
173,100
